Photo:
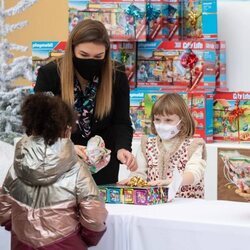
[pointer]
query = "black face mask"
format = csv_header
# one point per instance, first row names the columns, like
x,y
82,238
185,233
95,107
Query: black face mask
x,y
88,68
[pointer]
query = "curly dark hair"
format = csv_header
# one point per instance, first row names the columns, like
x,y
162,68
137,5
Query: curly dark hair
x,y
46,116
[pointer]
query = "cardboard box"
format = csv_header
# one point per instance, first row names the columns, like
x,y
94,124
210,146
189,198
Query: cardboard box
x,y
199,19
160,63
43,52
232,116
221,66
133,195
124,20
163,20
125,53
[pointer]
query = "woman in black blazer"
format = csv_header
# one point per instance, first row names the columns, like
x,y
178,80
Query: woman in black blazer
x,y
86,78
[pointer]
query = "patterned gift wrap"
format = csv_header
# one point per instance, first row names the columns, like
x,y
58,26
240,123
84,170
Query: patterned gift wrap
x,y
134,195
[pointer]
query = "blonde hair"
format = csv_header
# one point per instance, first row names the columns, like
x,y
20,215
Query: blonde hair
x,y
173,104
87,31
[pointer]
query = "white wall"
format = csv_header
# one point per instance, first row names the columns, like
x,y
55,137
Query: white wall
x,y
234,28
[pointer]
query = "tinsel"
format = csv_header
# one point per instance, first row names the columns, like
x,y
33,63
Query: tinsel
x,y
134,11
152,13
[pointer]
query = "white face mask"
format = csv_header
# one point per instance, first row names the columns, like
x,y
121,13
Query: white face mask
x,y
166,131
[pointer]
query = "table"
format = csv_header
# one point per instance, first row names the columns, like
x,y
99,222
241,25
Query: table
x,y
184,224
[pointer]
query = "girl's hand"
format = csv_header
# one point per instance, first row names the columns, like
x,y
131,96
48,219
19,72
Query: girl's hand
x,y
127,158
160,182
123,182
81,152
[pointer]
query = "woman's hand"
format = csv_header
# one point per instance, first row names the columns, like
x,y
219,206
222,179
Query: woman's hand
x,y
81,152
160,182
127,158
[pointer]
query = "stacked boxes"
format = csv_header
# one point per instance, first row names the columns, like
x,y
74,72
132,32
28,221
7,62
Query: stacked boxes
x,y
134,195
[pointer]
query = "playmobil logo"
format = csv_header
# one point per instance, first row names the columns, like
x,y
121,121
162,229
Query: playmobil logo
x,y
148,45
43,45
137,94
241,96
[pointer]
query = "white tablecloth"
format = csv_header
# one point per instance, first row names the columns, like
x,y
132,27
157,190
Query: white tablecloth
x,y
180,225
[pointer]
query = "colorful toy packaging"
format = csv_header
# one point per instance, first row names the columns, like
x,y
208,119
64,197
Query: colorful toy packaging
x,y
163,19
200,104
44,52
199,19
134,195
124,20
201,107
220,71
141,102
182,65
232,116
125,53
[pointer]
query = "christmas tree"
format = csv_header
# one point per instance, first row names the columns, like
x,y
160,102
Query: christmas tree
x,y
12,68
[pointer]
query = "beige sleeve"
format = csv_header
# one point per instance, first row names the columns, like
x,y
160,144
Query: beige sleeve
x,y
196,165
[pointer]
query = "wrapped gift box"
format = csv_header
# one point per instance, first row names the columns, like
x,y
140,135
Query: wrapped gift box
x,y
133,195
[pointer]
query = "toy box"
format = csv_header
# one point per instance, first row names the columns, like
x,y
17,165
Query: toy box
x,y
200,104
44,52
199,19
163,19
220,71
125,53
141,102
183,65
232,116
124,20
134,195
